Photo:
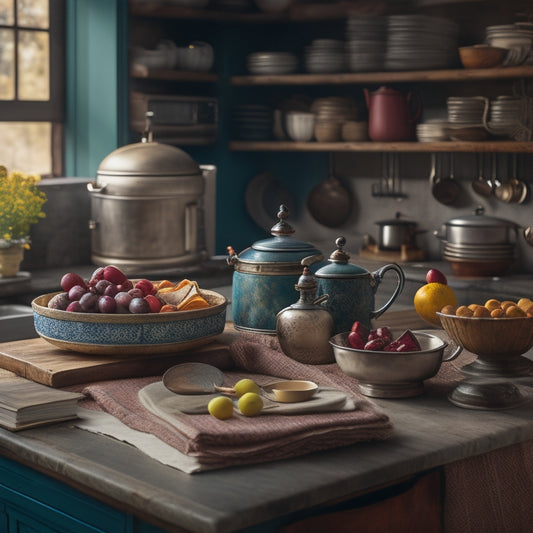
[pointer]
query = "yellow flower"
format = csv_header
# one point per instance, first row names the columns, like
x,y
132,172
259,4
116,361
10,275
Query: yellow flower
x,y
21,204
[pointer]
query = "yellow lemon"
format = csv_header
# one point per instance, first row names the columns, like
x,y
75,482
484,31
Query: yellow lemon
x,y
431,298
220,407
246,385
250,404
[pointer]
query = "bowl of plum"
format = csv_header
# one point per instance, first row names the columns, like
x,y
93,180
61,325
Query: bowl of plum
x,y
113,315
390,363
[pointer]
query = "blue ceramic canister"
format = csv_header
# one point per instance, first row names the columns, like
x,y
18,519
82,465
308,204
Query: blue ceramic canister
x,y
265,275
352,289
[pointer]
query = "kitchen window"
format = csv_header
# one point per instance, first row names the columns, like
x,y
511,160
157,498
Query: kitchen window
x,y
32,38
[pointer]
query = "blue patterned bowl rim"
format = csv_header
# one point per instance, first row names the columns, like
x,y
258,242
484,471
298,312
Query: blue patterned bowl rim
x,y
217,302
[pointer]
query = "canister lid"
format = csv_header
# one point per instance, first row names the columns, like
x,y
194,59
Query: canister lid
x,y
339,265
148,159
281,247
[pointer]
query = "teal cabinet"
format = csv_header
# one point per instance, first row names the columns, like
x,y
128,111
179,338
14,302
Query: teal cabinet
x,y
31,502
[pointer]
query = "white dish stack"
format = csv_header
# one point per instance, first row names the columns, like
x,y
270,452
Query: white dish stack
x,y
421,42
271,63
366,44
325,56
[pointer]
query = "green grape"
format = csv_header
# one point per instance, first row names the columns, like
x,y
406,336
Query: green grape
x,y
250,404
246,385
220,407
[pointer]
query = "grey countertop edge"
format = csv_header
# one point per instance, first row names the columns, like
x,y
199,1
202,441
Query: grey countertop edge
x,y
429,432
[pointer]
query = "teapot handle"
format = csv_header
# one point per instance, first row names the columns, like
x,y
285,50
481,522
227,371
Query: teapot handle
x,y
378,276
418,101
367,97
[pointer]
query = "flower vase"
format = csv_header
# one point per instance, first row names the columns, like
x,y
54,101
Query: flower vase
x,y
10,259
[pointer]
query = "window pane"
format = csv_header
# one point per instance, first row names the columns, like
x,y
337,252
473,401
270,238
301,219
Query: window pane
x,y
26,146
34,70
7,64
32,13
7,11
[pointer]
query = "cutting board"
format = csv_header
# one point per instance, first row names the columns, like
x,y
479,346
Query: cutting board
x,y
40,361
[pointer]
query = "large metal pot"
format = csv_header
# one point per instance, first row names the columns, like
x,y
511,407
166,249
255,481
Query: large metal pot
x,y
478,229
147,208
265,275
395,233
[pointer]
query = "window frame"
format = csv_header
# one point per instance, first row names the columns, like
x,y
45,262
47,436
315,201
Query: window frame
x,y
52,110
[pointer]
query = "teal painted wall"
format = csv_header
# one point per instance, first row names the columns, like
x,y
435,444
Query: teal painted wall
x,y
96,77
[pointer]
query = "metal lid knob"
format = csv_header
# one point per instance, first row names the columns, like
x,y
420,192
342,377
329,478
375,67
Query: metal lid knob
x,y
282,227
339,255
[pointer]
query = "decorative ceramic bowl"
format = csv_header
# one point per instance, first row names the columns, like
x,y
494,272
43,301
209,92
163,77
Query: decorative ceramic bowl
x,y
293,390
130,334
482,56
393,374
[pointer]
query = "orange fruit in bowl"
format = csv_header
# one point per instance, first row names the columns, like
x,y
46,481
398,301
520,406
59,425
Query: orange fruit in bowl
x,y
431,298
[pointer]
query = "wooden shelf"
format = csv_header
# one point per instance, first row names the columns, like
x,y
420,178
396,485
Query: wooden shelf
x,y
448,146
297,13
386,77
143,73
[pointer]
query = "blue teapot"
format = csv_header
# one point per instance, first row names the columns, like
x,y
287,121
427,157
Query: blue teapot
x,y
352,289
265,276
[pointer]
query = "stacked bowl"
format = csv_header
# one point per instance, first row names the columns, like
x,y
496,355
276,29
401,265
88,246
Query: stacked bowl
x,y
325,56
506,116
366,43
421,42
252,122
432,131
516,39
465,117
331,112
271,63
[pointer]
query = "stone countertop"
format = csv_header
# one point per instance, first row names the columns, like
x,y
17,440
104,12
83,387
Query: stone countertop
x,y
429,432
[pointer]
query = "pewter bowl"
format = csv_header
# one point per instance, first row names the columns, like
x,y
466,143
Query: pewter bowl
x,y
393,374
130,334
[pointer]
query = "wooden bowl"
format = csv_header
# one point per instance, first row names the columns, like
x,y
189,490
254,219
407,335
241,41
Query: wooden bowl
x,y
130,334
491,338
482,56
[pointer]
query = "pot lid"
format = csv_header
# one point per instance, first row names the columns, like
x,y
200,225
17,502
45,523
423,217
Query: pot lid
x,y
479,219
396,221
281,246
148,159
338,264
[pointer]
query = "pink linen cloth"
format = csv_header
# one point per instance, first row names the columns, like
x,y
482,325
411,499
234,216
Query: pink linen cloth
x,y
242,440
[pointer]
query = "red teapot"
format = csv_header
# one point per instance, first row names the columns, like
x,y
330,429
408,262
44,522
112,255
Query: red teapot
x,y
392,116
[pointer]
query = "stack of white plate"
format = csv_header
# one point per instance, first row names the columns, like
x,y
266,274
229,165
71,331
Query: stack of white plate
x,y
421,42
252,122
271,63
526,28
518,41
479,252
506,115
432,131
325,56
334,109
366,43
466,110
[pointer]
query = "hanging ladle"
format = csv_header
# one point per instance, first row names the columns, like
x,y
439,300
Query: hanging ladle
x,y
481,185
445,189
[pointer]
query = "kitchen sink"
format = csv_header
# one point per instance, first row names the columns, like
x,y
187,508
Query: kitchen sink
x,y
16,322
